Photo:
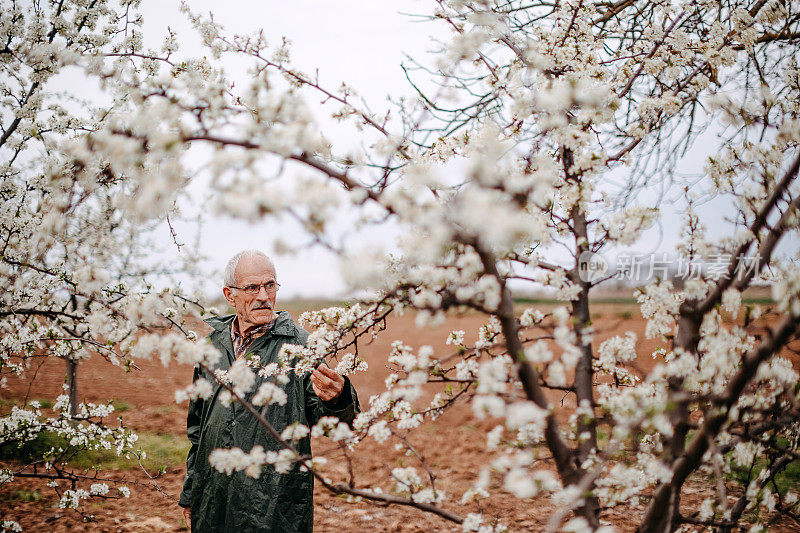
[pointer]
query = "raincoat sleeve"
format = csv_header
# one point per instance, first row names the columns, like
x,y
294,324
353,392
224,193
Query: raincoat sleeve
x,y
345,407
193,427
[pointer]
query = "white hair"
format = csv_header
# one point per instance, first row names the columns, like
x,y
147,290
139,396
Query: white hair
x,y
230,268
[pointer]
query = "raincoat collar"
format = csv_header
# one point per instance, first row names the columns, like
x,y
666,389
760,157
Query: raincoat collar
x,y
284,325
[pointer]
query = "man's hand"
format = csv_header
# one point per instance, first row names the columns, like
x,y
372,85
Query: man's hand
x,y
187,515
327,384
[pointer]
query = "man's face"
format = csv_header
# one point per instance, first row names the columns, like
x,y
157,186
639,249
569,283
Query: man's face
x,y
252,309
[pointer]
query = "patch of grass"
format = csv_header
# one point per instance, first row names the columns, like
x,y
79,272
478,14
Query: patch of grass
x,y
161,451
98,504
533,301
27,495
786,480
32,449
758,301
120,406
625,315
789,479
44,403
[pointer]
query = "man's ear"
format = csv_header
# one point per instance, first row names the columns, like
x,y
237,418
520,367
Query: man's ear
x,y
228,293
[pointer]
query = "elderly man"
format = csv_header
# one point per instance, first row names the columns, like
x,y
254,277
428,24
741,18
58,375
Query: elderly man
x,y
274,502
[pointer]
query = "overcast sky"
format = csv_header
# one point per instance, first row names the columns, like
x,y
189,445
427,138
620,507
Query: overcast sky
x,y
360,43
357,42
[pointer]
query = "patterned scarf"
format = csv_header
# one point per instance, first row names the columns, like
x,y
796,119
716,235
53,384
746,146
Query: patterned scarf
x,y
242,342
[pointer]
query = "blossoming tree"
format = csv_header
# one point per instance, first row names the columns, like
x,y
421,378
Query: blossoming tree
x,y
73,265
543,134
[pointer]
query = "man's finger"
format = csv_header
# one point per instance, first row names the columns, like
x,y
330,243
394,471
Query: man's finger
x,y
334,376
329,372
321,378
325,369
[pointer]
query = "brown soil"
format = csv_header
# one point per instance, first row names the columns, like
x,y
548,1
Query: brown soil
x,y
454,446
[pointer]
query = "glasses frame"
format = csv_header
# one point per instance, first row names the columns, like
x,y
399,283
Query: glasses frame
x,y
247,289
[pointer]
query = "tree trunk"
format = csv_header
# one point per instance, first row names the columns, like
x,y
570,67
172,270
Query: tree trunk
x,y
661,512
72,385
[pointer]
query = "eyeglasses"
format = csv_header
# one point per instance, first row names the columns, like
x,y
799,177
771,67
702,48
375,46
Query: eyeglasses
x,y
271,287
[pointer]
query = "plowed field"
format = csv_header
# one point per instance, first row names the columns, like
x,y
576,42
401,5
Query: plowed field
x,y
454,446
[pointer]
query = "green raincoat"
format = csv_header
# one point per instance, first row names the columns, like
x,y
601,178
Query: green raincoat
x,y
238,503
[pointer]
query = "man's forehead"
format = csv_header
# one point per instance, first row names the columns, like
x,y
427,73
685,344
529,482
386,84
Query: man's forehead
x,y
254,269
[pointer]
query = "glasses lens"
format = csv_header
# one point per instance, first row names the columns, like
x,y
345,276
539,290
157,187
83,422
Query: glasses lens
x,y
254,289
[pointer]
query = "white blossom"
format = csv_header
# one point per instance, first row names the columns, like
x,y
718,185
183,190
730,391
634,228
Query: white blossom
x,y
269,393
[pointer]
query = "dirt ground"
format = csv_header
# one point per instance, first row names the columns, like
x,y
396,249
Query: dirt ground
x,y
454,446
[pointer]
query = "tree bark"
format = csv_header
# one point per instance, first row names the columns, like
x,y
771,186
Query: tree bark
x,y
72,385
